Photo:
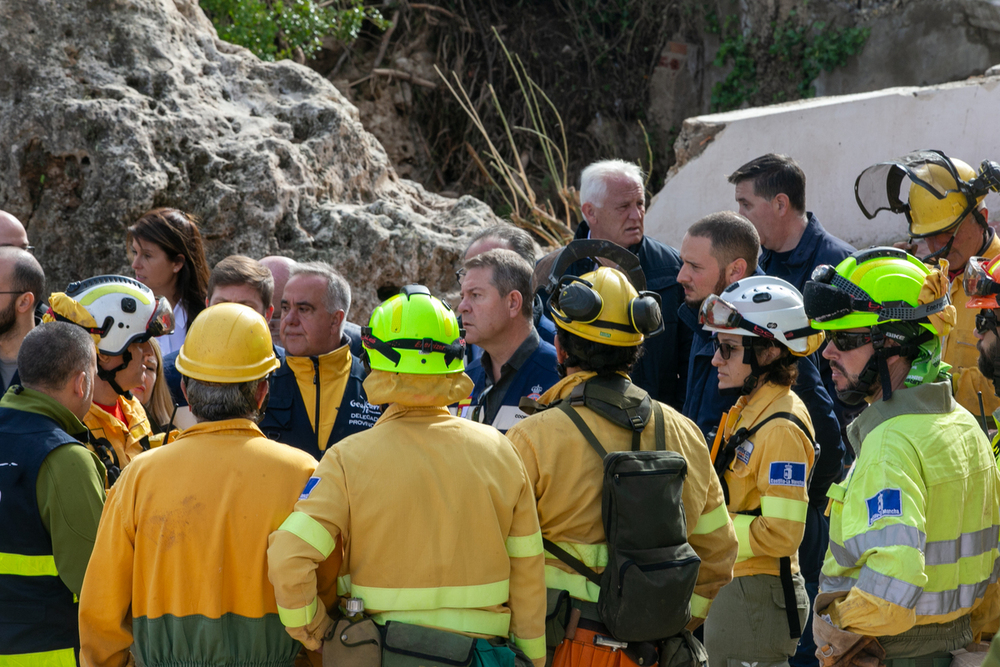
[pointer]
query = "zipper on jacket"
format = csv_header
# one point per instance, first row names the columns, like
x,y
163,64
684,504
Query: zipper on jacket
x,y
315,361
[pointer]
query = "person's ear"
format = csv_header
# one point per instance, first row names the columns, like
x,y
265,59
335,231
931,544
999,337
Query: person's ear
x,y
780,203
588,211
737,270
769,355
561,354
179,263
25,303
514,302
80,385
184,390
262,388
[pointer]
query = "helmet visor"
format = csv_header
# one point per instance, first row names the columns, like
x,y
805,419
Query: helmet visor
x,y
162,321
719,314
977,280
878,188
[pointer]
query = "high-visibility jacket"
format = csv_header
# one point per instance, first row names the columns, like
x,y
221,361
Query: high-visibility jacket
x,y
182,572
38,610
959,347
126,439
767,480
566,475
914,527
437,519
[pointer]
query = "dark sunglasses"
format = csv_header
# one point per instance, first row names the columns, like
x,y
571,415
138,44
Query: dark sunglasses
x,y
725,350
845,341
986,320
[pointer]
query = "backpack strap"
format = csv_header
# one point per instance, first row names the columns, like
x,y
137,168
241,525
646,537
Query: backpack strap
x,y
574,563
567,408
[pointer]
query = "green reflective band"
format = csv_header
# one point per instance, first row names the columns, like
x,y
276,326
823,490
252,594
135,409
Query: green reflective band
x,y
591,555
575,584
477,621
344,585
709,522
28,566
700,606
741,522
309,531
525,547
784,508
61,658
454,597
533,648
296,618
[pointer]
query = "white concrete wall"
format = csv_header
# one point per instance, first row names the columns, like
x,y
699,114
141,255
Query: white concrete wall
x,y
834,139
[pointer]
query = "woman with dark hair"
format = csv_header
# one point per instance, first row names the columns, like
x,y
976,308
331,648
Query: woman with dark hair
x,y
168,257
765,465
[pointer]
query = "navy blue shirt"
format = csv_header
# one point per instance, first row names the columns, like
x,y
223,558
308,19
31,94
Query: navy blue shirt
x,y
529,372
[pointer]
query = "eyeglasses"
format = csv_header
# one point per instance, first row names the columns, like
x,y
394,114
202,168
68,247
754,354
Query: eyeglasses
x,y
725,350
29,248
459,275
845,341
986,320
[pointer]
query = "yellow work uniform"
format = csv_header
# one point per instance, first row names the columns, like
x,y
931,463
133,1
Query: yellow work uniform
x,y
179,571
437,520
959,348
769,473
333,371
566,476
126,439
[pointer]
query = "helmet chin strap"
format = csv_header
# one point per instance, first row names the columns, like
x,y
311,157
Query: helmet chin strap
x,y
750,382
943,252
108,375
876,367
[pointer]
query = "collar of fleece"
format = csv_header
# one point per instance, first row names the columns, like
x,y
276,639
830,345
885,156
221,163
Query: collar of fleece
x,y
440,391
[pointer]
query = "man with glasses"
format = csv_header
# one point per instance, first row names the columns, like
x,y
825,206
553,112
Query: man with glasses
x,y
22,283
910,572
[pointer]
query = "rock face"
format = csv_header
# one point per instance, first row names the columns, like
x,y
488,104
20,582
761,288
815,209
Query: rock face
x,y
109,109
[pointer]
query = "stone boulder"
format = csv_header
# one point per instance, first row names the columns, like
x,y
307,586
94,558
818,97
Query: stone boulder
x,y
109,109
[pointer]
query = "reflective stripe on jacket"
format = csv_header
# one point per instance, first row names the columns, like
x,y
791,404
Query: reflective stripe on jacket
x,y
567,478
769,473
914,527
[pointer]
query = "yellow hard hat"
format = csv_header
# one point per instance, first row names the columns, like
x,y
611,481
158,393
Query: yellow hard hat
x,y
602,306
227,343
930,215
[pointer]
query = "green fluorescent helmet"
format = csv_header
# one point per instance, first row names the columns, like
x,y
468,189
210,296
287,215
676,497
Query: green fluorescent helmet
x,y
414,332
872,286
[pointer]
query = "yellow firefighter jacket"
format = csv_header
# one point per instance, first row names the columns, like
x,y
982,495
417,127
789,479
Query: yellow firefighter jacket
x,y
181,548
126,439
959,348
566,475
769,473
437,520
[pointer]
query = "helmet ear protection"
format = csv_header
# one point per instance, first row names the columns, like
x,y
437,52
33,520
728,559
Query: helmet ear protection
x,y
580,302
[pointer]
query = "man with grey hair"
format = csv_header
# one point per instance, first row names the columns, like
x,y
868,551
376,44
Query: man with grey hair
x,y
53,494
613,202
497,316
22,284
317,397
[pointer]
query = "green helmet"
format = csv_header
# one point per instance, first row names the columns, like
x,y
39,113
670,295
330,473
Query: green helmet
x,y
414,332
879,288
871,287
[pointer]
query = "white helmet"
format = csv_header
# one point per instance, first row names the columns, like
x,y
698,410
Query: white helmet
x,y
763,307
124,311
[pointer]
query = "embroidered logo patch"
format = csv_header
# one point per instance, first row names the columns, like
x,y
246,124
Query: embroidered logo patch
x,y
787,473
310,485
744,451
887,502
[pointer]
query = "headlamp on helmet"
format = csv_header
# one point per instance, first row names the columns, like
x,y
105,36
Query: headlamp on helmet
x,y
981,282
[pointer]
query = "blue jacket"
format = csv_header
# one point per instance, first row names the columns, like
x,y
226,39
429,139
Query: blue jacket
x,y
38,613
662,368
287,420
535,375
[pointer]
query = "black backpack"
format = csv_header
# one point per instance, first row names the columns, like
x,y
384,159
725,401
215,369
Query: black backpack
x,y
646,587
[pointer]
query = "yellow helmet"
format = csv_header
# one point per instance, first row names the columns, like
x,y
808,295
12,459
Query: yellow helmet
x,y
227,343
929,214
602,306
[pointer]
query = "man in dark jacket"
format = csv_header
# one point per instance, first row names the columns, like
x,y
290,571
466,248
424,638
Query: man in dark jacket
x,y
771,193
53,494
613,202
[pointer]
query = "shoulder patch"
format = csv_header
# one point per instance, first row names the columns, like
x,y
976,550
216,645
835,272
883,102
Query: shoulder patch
x,y
887,502
787,473
744,451
310,485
